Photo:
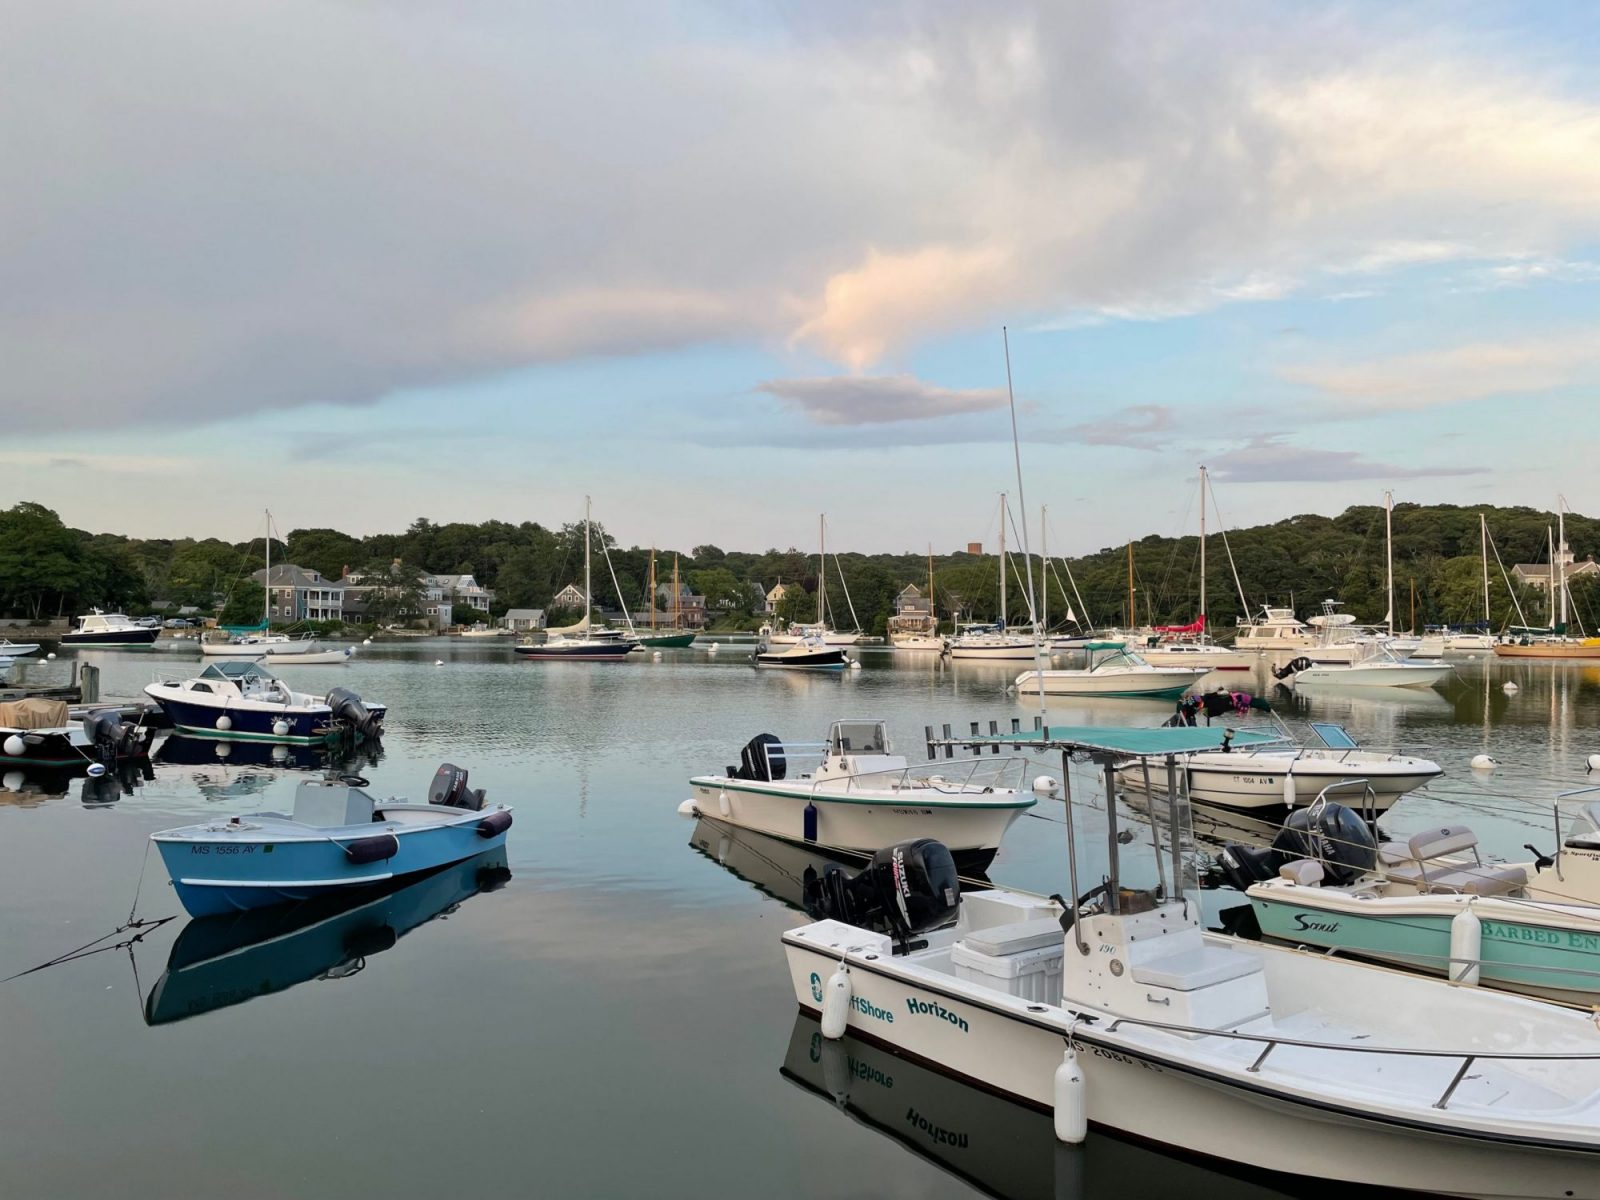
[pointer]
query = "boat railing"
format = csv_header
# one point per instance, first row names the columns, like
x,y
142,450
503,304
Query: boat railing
x,y
1270,1042
980,775
1369,808
1555,809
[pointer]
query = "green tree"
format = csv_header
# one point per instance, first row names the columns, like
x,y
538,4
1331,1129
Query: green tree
x,y
722,590
245,605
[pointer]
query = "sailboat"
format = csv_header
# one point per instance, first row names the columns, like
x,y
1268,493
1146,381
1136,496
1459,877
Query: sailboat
x,y
255,641
923,639
1191,645
1554,641
991,640
819,631
577,642
1466,639
676,637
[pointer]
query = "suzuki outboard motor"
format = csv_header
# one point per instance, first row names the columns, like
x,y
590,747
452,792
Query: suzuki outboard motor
x,y
111,737
1330,834
449,786
347,707
906,889
762,759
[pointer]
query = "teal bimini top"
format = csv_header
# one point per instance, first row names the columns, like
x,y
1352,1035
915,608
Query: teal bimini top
x,y
1129,741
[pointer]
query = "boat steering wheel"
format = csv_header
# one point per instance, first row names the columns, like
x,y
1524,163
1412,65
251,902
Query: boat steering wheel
x,y
353,780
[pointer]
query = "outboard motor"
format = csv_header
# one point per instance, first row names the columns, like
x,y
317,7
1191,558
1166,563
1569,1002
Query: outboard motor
x,y
1330,834
1292,667
906,889
449,786
347,707
762,760
111,737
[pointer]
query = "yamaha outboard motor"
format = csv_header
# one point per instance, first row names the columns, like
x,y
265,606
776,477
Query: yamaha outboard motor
x,y
1330,834
449,786
347,707
906,889
762,759
111,737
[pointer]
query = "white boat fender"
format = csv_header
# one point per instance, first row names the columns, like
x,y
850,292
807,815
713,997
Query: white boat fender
x,y
836,995
1593,764
438,662
656,657
12,781
836,1073
224,722
280,752
366,642
51,657
712,648
687,808
96,770
1288,789
14,746
1071,1100
855,664
1046,785
372,849
1509,688
1483,762
280,728
494,824
724,805
224,749
1466,947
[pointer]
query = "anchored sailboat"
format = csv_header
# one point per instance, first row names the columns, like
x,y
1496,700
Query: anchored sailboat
x,y
576,641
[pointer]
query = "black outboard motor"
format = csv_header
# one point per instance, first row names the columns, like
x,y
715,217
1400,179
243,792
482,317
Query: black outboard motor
x,y
762,760
1292,667
112,738
347,707
1330,834
449,786
906,889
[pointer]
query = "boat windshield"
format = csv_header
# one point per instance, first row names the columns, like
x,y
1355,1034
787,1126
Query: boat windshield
x,y
238,672
859,737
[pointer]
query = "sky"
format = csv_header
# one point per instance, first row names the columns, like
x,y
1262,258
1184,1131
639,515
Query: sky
x,y
727,266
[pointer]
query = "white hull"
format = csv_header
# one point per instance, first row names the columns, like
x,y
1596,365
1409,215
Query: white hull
x,y
229,650
1212,658
1469,641
311,658
861,820
831,638
18,649
1204,1097
1007,651
1156,681
1394,674
1250,782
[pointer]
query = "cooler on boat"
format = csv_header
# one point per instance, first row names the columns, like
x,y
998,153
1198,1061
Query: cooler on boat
x,y
1022,959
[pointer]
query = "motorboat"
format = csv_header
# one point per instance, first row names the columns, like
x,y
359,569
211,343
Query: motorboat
x,y
43,733
1275,777
1274,629
818,629
247,645
992,641
1432,903
861,796
485,631
110,631
797,631
1375,668
1114,671
1197,654
333,656
1467,640
12,650
338,837
931,642
808,654
1117,1011
227,959
245,701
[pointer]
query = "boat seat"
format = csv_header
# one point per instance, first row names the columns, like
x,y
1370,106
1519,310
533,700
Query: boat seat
x,y
1190,970
997,941
1307,872
1417,862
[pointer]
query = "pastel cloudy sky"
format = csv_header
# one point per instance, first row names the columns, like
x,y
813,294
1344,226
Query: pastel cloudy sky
x,y
727,265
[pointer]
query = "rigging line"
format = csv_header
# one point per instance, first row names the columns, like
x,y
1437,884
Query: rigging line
x,y
1222,527
1082,607
1504,575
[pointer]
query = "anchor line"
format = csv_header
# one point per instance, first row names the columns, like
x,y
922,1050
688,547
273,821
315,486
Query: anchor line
x,y
88,949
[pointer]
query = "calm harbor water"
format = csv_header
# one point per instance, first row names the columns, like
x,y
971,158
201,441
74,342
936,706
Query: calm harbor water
x,y
615,1017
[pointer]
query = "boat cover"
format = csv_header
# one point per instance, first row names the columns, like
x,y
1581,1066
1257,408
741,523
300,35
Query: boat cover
x,y
1131,742
34,713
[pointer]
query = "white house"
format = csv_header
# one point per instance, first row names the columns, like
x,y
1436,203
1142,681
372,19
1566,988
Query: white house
x,y
524,620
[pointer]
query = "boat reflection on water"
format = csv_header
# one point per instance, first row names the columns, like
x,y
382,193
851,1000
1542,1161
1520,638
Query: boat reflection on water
x,y
783,870
226,960
997,1145
233,770
29,786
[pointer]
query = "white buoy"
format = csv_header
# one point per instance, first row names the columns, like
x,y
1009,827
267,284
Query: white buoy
x,y
1509,688
712,648
280,728
14,746
96,770
224,722
438,662
1594,763
722,803
855,664
1484,762
1046,785
224,749
1072,1100
51,657
12,781
836,1003
1466,947
367,642
656,657
1288,789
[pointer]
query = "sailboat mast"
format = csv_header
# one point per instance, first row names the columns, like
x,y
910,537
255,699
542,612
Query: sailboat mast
x,y
1483,534
266,601
1203,627
1044,563
677,596
652,589
1133,615
822,567
1388,542
1550,539
1561,549
933,613
1002,556
588,595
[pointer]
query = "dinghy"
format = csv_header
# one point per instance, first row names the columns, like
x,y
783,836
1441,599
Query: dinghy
x,y
861,796
337,838
1116,1010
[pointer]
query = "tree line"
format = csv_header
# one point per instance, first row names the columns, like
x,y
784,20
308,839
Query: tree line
x,y
48,570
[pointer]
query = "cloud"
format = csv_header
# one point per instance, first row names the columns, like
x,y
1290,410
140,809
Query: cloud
x,y
1266,459
879,399
381,197
1433,378
1133,426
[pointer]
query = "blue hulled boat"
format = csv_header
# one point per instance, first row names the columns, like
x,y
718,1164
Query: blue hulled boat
x,y
245,701
338,837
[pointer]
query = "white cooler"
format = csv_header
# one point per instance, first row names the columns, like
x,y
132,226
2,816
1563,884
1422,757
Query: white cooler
x,y
1023,958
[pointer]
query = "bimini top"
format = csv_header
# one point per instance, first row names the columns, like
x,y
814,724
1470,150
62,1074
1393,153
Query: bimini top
x,y
1128,742
238,671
